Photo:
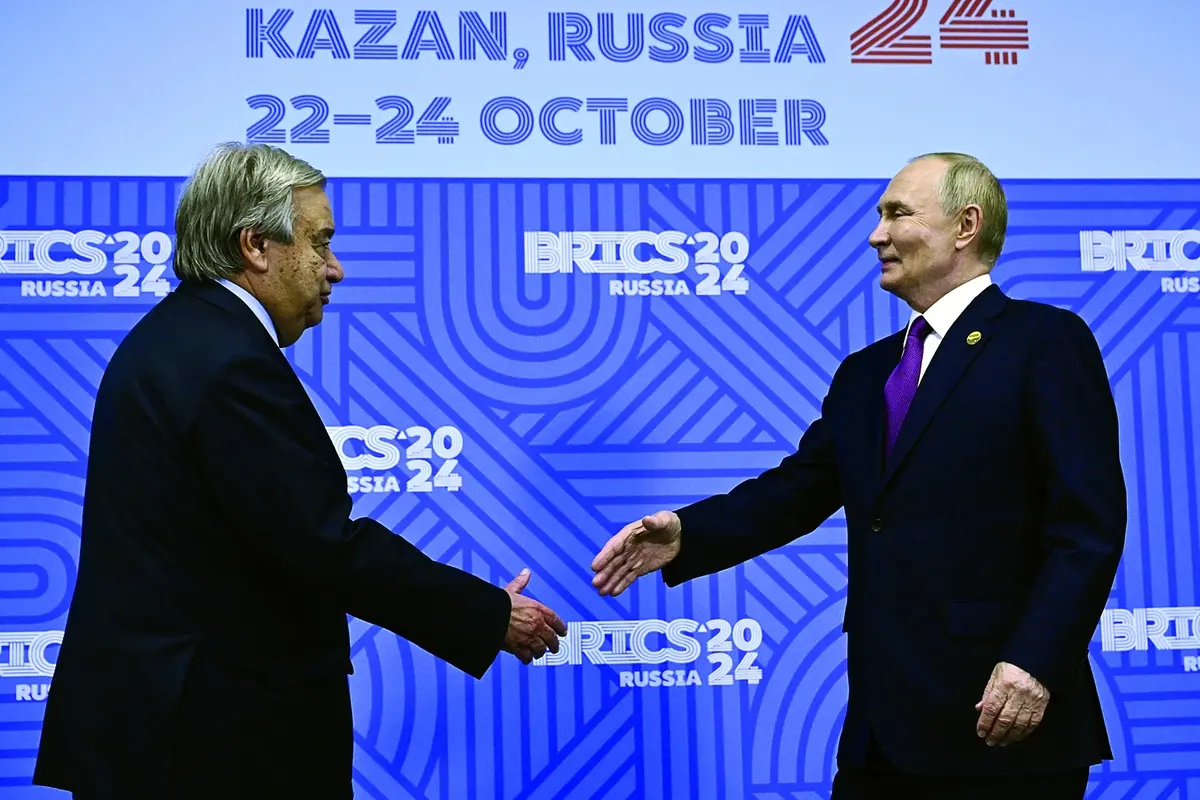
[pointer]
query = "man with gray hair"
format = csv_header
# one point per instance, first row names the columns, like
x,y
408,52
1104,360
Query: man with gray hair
x,y
976,456
206,650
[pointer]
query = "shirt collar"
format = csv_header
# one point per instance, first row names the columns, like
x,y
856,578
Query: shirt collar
x,y
253,303
946,311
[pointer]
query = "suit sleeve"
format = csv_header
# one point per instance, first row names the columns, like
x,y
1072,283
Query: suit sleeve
x,y
1085,514
762,513
257,445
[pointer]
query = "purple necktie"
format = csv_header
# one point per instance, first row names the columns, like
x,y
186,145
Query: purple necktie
x,y
902,384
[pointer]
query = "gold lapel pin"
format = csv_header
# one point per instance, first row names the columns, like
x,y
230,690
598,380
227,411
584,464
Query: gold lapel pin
x,y
973,337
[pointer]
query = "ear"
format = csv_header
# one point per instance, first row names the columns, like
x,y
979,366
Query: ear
x,y
970,222
253,246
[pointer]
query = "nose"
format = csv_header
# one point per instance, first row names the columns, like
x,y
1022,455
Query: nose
x,y
333,269
879,237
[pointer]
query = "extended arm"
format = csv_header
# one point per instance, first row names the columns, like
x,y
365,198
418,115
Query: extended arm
x,y
761,513
295,512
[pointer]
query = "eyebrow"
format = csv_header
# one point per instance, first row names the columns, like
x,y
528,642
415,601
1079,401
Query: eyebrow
x,y
892,205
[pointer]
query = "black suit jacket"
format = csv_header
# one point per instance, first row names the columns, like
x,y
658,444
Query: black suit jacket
x,y
992,533
207,637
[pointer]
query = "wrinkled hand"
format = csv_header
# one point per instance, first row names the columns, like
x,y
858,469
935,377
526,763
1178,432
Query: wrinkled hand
x,y
638,549
532,628
1012,706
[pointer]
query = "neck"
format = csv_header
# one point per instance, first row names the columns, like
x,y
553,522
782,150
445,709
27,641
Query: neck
x,y
243,280
923,297
285,335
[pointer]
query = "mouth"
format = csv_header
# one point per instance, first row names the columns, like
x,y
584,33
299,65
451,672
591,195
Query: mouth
x,y
324,299
885,262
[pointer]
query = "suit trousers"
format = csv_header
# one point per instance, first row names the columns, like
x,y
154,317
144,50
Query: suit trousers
x,y
880,780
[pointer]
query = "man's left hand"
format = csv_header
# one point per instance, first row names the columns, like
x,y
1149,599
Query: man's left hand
x,y
1012,706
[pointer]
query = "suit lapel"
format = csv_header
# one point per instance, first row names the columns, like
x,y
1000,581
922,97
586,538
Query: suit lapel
x,y
954,355
878,372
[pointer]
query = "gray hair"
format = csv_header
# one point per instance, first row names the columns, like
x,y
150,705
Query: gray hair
x,y
236,187
968,182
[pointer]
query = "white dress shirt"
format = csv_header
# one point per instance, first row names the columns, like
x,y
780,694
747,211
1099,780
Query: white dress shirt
x,y
944,313
258,308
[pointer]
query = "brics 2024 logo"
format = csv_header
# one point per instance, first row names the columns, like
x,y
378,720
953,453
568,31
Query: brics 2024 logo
x,y
642,253
965,25
27,655
731,649
140,259
372,457
1124,630
1176,251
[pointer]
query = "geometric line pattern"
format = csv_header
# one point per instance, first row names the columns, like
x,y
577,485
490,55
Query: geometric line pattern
x,y
579,411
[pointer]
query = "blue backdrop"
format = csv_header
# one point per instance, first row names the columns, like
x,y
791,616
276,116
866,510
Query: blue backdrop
x,y
528,353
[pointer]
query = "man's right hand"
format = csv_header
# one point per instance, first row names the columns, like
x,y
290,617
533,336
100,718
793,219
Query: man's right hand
x,y
638,549
532,628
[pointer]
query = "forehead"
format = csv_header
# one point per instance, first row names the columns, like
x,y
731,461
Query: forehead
x,y
916,185
311,207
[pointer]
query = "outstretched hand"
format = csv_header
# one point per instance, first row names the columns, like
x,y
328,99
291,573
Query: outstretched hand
x,y
638,549
532,627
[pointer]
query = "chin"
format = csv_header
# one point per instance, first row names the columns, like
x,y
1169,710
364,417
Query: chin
x,y
894,285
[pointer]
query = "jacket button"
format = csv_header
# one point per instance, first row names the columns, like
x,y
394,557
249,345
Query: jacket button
x,y
876,525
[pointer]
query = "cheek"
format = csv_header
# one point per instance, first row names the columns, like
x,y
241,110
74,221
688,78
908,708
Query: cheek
x,y
914,241
308,273
905,238
298,280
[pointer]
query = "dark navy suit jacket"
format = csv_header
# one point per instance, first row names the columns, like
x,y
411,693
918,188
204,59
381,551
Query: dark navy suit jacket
x,y
207,639
992,533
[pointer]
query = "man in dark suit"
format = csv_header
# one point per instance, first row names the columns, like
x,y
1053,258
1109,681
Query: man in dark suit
x,y
206,651
985,515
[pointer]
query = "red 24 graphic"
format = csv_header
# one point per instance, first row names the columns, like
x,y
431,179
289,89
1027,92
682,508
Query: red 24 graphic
x,y
966,25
